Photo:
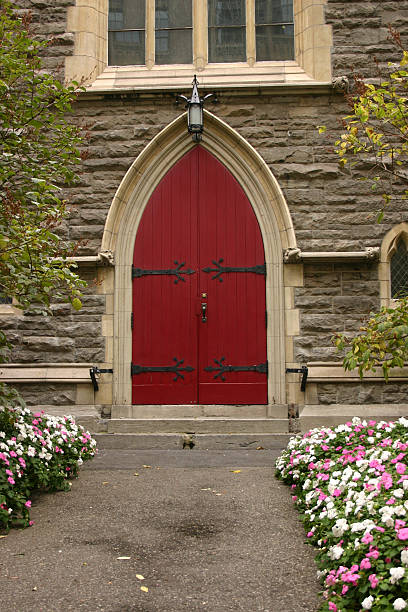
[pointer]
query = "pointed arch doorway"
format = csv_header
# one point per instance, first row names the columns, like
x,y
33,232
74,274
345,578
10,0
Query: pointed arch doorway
x,y
198,291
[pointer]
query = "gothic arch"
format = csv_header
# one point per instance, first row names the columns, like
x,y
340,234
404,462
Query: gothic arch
x,y
127,208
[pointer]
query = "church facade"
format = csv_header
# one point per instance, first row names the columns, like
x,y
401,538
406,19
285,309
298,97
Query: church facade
x,y
219,267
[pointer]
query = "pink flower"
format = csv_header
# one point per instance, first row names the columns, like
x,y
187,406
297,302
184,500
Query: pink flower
x,y
13,453
374,554
400,467
336,492
365,564
28,504
390,501
11,480
9,472
399,523
403,534
373,580
332,606
367,538
310,534
344,589
31,523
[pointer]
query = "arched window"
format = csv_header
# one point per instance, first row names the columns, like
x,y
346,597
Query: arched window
x,y
399,270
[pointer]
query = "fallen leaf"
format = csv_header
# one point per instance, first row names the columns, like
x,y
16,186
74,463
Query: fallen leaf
x,y
121,558
260,448
106,482
3,536
136,474
144,589
218,493
35,589
147,466
235,471
139,577
84,563
209,489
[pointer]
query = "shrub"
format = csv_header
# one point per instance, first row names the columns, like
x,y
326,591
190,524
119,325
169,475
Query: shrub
x,y
351,485
37,452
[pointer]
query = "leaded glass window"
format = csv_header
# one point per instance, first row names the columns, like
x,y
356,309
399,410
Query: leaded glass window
x,y
160,32
226,31
399,271
126,36
173,32
274,30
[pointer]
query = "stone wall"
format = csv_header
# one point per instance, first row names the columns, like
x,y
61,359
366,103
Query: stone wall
x,y
330,210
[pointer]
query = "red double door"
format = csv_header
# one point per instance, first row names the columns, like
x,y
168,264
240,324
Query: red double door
x,y
199,313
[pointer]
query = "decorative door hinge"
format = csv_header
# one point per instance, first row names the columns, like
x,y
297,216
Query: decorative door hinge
x,y
262,368
94,372
131,320
220,270
177,272
176,369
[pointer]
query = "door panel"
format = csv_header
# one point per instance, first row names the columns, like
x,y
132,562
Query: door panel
x,y
200,217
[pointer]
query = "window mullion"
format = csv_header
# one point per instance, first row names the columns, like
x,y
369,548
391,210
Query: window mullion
x,y
150,33
200,34
250,32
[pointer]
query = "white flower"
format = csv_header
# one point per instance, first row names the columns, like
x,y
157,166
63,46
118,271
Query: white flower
x,y
398,493
335,552
339,527
367,603
404,556
399,604
396,574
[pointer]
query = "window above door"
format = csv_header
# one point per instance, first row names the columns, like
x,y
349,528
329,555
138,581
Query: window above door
x,y
159,44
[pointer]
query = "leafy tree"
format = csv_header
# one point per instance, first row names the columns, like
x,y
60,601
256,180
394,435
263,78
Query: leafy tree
x,y
376,141
382,341
39,154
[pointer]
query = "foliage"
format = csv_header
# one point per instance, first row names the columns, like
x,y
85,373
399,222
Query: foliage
x,y
39,152
383,341
350,485
37,452
376,136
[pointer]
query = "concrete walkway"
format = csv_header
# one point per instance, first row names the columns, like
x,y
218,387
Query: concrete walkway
x,y
202,536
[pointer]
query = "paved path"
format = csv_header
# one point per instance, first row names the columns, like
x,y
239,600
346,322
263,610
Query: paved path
x,y
202,536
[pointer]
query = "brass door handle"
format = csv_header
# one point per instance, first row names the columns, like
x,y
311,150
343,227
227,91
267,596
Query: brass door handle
x,y
204,312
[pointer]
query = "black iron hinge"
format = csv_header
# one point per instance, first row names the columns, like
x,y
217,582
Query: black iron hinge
x,y
131,320
304,370
94,372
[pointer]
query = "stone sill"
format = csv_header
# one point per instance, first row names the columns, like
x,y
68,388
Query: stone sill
x,y
232,89
104,258
295,255
331,372
45,373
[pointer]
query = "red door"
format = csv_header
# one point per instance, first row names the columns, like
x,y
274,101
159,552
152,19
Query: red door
x,y
199,315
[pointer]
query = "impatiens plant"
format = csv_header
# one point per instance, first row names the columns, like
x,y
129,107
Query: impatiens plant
x,y
351,486
37,452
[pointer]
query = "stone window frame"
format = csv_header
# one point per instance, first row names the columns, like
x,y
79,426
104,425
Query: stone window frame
x,y
88,21
388,248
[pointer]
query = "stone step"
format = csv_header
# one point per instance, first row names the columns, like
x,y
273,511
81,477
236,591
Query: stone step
x,y
189,411
332,415
200,425
174,441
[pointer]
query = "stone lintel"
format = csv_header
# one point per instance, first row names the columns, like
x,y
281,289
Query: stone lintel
x,y
295,255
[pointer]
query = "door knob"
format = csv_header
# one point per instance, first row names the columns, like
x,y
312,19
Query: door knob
x,y
204,312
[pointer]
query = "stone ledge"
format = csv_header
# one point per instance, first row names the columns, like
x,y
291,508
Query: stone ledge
x,y
295,255
331,372
45,373
331,416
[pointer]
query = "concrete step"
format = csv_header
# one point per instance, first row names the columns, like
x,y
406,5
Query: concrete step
x,y
175,441
200,425
189,411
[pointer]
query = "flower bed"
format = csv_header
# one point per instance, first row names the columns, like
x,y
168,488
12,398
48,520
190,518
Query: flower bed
x,y
351,486
37,452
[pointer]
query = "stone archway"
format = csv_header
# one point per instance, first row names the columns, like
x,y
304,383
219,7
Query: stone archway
x,y
127,208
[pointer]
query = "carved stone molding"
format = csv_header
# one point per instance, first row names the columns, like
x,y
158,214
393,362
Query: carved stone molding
x,y
295,255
